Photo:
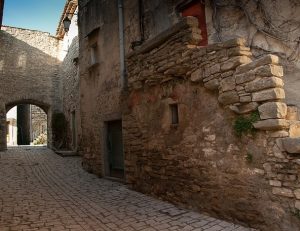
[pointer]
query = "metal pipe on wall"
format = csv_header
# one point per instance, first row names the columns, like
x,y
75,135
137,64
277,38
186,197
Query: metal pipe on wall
x,y
123,72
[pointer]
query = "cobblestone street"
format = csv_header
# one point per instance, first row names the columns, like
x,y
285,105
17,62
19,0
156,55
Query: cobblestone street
x,y
43,191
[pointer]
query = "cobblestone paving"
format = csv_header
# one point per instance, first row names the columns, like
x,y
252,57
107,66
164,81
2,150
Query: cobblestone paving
x,y
40,190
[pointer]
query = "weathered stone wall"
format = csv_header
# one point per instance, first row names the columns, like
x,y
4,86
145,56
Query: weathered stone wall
x,y
200,161
99,82
29,69
38,122
69,74
100,90
268,26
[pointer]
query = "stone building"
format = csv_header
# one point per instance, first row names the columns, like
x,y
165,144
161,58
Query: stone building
x,y
35,68
70,74
200,74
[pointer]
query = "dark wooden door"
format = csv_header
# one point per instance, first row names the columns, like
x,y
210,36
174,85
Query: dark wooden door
x,y
115,148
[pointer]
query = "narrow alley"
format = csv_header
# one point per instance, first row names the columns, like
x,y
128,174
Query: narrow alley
x,y
43,191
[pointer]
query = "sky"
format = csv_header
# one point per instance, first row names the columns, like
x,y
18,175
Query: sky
x,y
40,15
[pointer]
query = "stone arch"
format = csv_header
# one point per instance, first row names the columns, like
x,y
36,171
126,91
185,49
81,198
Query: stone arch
x,y
42,105
5,107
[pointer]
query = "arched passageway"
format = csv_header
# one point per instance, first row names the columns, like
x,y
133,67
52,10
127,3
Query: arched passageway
x,y
25,122
26,125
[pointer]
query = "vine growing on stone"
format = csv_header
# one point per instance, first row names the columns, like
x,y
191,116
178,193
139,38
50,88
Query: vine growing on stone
x,y
244,124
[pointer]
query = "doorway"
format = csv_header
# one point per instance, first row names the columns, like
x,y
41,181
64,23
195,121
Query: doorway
x,y
74,130
115,149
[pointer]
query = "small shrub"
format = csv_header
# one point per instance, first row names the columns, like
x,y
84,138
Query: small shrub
x,y
244,124
296,213
249,158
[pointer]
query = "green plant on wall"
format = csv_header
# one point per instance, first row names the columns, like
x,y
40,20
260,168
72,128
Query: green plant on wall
x,y
244,124
296,213
249,158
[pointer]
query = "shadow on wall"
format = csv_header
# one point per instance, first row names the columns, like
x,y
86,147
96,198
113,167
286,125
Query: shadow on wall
x,y
27,72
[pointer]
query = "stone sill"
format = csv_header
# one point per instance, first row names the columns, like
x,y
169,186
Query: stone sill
x,y
152,43
93,66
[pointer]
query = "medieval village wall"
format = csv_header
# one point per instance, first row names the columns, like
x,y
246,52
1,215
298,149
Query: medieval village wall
x,y
100,85
201,161
29,71
69,74
99,78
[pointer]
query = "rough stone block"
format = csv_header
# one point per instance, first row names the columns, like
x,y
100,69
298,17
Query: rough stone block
x,y
269,94
229,97
264,83
297,193
191,21
268,59
285,192
234,62
245,77
292,113
269,70
228,84
277,152
279,134
259,171
239,51
295,129
271,124
272,110
197,75
234,42
212,84
215,69
227,74
297,205
275,183
245,99
291,145
245,108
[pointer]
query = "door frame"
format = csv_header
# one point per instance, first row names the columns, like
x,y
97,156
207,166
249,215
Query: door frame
x,y
105,157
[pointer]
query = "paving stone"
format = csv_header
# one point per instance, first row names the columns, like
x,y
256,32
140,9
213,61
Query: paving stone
x,y
43,191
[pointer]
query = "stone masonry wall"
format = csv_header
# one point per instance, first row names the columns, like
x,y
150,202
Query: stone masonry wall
x,y
100,85
99,82
269,26
29,70
200,162
38,122
69,73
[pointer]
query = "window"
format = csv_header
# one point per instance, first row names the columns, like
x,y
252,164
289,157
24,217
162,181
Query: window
x,y
93,54
93,47
174,113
